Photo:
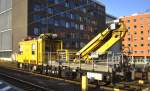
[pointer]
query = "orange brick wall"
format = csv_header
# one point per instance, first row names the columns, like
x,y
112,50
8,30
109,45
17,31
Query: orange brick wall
x,y
137,39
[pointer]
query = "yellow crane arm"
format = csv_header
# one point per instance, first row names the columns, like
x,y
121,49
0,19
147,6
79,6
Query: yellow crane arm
x,y
93,43
116,36
103,41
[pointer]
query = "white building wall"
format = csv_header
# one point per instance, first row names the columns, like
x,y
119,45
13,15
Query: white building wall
x,y
5,28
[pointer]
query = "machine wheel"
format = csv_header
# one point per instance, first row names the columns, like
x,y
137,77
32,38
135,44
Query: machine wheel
x,y
103,83
19,65
34,68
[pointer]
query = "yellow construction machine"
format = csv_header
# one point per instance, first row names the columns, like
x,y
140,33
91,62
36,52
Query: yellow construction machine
x,y
38,52
103,41
35,51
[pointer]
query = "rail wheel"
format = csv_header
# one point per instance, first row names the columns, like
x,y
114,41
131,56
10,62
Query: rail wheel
x,y
19,65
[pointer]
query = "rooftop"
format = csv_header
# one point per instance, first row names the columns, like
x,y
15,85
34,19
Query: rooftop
x,y
109,15
97,1
136,14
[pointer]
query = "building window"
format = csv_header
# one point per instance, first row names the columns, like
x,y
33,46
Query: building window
x,y
134,20
56,11
81,27
81,19
56,1
51,21
71,16
128,28
135,52
36,31
129,39
135,33
135,38
148,31
84,10
62,23
148,38
43,21
93,22
71,4
68,15
129,44
148,18
148,51
20,49
56,22
67,4
77,26
36,7
76,16
62,14
72,25
141,32
76,45
142,38
141,19
142,45
36,17
67,25
142,26
128,33
142,51
135,45
72,35
128,21
148,44
50,10
149,25
135,26
33,49
82,44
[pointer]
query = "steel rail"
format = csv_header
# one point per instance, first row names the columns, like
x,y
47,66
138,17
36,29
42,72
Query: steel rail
x,y
25,85
109,88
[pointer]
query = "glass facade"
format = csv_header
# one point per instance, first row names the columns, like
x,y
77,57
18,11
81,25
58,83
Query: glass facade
x,y
5,28
72,20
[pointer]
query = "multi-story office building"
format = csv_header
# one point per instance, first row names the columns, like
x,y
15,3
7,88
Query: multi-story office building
x,y
137,41
75,21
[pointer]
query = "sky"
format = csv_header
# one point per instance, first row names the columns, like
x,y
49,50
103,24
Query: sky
x,y
125,7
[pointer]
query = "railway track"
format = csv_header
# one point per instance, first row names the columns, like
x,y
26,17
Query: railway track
x,y
31,82
121,86
27,86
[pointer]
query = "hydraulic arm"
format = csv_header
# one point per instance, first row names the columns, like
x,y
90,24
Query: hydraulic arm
x,y
103,41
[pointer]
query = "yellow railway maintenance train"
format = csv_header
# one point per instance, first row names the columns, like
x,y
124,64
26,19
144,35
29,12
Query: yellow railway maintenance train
x,y
33,52
40,53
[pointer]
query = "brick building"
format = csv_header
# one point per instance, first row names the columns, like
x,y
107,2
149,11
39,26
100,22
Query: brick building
x,y
137,40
